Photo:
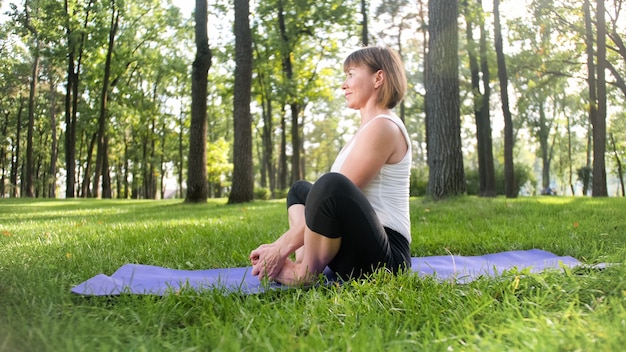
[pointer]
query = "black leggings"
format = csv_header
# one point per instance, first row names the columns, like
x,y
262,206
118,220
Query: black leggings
x,y
336,208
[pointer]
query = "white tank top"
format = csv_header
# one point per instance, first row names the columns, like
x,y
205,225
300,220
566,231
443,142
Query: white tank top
x,y
389,190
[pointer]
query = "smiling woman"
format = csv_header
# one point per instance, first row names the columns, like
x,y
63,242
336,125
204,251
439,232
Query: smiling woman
x,y
354,219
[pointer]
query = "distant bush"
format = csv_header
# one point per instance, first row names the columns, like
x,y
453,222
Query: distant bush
x,y
523,175
418,184
262,193
280,193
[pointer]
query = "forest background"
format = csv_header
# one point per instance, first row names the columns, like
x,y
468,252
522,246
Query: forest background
x,y
96,96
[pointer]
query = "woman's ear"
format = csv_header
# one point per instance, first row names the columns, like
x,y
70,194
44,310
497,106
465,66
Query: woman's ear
x,y
379,78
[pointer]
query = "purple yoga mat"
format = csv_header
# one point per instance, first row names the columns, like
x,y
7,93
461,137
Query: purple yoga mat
x,y
154,280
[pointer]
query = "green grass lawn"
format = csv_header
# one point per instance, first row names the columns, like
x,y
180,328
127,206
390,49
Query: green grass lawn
x,y
48,246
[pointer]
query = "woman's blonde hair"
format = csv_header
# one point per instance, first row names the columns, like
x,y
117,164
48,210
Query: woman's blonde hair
x,y
386,60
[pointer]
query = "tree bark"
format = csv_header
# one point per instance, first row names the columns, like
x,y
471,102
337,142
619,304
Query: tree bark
x,y
445,158
599,186
510,189
486,172
197,186
34,80
51,180
102,154
75,52
15,155
30,161
364,28
618,162
243,178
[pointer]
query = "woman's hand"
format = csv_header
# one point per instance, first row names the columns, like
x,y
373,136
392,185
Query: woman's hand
x,y
268,260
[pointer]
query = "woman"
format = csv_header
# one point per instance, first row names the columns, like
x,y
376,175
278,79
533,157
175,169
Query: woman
x,y
354,219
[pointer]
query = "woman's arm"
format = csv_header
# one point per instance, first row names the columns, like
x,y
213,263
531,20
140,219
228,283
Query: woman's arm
x,y
381,142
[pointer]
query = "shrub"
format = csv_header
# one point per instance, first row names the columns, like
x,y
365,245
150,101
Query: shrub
x,y
262,193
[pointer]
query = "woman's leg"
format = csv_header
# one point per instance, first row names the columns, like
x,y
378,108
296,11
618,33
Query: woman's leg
x,y
337,209
296,200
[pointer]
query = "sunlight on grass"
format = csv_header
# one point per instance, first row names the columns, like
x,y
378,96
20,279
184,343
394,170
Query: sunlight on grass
x,y
46,247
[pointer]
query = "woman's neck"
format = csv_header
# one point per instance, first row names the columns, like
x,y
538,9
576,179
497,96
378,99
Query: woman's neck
x,y
368,114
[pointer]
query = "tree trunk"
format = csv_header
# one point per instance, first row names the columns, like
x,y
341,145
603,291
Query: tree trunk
x,y
618,162
51,180
445,158
181,163
15,157
30,161
599,187
243,178
287,66
296,170
282,157
197,187
591,82
486,172
29,185
85,191
3,154
102,153
268,145
510,189
364,28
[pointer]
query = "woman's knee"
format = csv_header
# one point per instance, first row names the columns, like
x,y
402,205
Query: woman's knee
x,y
298,193
332,181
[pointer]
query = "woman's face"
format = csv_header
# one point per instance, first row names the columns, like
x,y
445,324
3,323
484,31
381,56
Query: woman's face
x,y
360,86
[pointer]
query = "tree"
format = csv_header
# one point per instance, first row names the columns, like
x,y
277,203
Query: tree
x,y
599,187
364,28
509,171
34,80
75,48
102,156
486,170
243,179
445,158
197,188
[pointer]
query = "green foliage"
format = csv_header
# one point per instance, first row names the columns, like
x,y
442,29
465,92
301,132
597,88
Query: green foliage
x,y
585,176
524,179
418,184
262,193
218,162
46,247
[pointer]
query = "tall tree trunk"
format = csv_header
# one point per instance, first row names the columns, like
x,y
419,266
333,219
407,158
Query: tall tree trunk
x,y
599,187
243,179
102,152
197,186
569,155
74,62
364,28
3,154
287,65
591,82
15,157
618,162
181,163
30,160
486,172
510,189
489,189
282,157
268,145
51,183
445,158
85,191
34,80
296,170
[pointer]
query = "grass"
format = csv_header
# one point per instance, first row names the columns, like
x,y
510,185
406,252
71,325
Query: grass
x,y
48,246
